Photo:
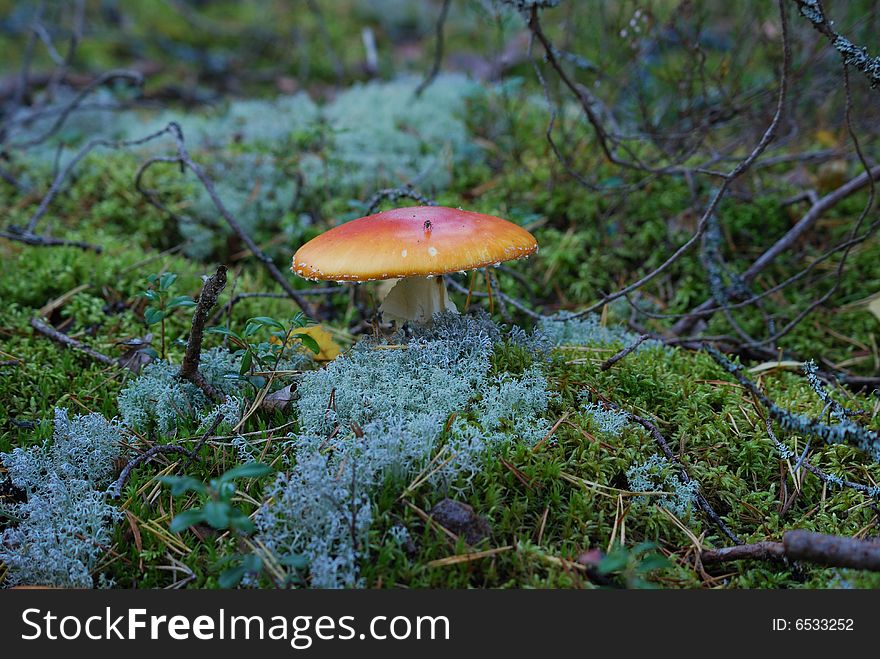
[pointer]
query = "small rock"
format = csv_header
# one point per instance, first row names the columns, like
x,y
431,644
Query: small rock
x,y
461,519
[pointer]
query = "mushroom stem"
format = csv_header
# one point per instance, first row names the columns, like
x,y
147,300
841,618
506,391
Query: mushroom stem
x,y
416,299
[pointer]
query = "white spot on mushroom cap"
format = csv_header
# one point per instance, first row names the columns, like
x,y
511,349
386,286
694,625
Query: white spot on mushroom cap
x,y
432,251
403,253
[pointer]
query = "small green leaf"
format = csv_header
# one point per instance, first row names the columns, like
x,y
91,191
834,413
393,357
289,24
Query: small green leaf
x,y
613,563
225,491
150,295
166,280
246,361
153,316
225,331
308,342
266,321
241,522
182,484
186,518
249,470
231,577
216,514
180,301
252,563
653,562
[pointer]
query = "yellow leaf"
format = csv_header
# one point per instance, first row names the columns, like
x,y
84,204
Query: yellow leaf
x,y
329,348
827,139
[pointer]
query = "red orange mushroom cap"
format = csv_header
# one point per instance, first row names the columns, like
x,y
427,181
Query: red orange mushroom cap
x,y
420,241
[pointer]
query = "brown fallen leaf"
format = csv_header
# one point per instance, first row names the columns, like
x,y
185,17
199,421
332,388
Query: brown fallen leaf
x,y
278,400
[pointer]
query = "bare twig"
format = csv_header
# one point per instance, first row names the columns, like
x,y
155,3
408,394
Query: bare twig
x,y
393,194
115,489
218,418
845,431
801,545
726,179
851,54
62,175
134,77
186,162
658,437
611,361
438,50
783,244
189,367
36,240
69,342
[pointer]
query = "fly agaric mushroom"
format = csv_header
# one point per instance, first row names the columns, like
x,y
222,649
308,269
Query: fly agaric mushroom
x,y
416,246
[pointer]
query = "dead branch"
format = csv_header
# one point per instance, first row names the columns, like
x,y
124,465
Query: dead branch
x,y
783,244
847,431
851,54
438,51
36,240
727,179
189,367
69,342
115,489
393,194
185,161
611,361
62,175
755,551
134,77
683,475
801,545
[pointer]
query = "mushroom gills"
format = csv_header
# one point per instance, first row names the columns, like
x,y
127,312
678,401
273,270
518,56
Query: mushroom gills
x,y
416,299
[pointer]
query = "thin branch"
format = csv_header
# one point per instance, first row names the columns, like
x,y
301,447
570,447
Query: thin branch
x,y
134,77
62,175
611,361
438,51
69,342
115,490
727,179
37,240
189,367
801,545
186,162
844,431
658,437
782,245
393,194
851,54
